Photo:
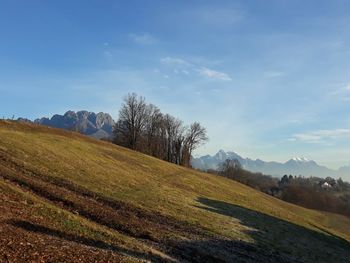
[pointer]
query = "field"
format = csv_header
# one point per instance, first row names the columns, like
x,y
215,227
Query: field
x,y
67,197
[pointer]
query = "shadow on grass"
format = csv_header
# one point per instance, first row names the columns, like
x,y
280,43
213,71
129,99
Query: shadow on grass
x,y
36,228
275,240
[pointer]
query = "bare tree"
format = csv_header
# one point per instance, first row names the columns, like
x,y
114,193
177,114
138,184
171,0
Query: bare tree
x,y
143,127
196,136
153,130
230,166
132,120
173,133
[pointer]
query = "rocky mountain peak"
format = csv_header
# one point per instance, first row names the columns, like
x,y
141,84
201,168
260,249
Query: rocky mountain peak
x,y
98,125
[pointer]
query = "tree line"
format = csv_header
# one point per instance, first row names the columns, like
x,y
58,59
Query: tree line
x,y
232,169
143,127
327,194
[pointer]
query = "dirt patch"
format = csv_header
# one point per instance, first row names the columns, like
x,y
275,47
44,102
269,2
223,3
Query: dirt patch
x,y
22,244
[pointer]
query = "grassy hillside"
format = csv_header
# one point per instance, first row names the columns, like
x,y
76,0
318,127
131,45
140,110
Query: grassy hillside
x,y
66,196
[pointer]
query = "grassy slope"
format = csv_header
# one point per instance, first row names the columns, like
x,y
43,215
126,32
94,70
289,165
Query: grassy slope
x,y
47,225
220,206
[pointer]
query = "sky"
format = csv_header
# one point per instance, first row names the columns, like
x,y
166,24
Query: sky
x,y
268,79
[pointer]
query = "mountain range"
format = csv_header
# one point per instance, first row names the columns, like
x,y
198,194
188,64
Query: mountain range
x,y
97,125
100,125
294,166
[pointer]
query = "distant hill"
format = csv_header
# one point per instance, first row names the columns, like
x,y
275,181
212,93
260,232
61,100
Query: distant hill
x,y
98,125
295,166
65,197
344,170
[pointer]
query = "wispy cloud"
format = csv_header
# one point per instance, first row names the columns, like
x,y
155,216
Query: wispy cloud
x,y
321,136
342,93
213,74
342,90
186,67
175,61
143,39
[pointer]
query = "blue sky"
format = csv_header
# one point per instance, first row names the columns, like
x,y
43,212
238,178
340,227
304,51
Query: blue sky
x,y
269,79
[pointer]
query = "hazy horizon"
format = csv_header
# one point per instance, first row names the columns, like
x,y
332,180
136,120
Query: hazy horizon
x,y
269,80
197,153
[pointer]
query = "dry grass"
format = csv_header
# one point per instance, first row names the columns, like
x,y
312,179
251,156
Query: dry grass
x,y
219,206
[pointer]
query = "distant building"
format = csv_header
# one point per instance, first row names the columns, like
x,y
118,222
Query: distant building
x,y
326,185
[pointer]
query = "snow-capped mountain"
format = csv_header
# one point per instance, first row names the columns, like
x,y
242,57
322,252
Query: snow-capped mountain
x,y
300,159
294,166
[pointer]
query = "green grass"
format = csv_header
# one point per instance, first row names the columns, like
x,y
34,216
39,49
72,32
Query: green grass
x,y
220,205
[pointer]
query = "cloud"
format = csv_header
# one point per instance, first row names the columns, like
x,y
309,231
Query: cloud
x,y
143,39
186,67
344,89
213,74
342,93
321,136
175,61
